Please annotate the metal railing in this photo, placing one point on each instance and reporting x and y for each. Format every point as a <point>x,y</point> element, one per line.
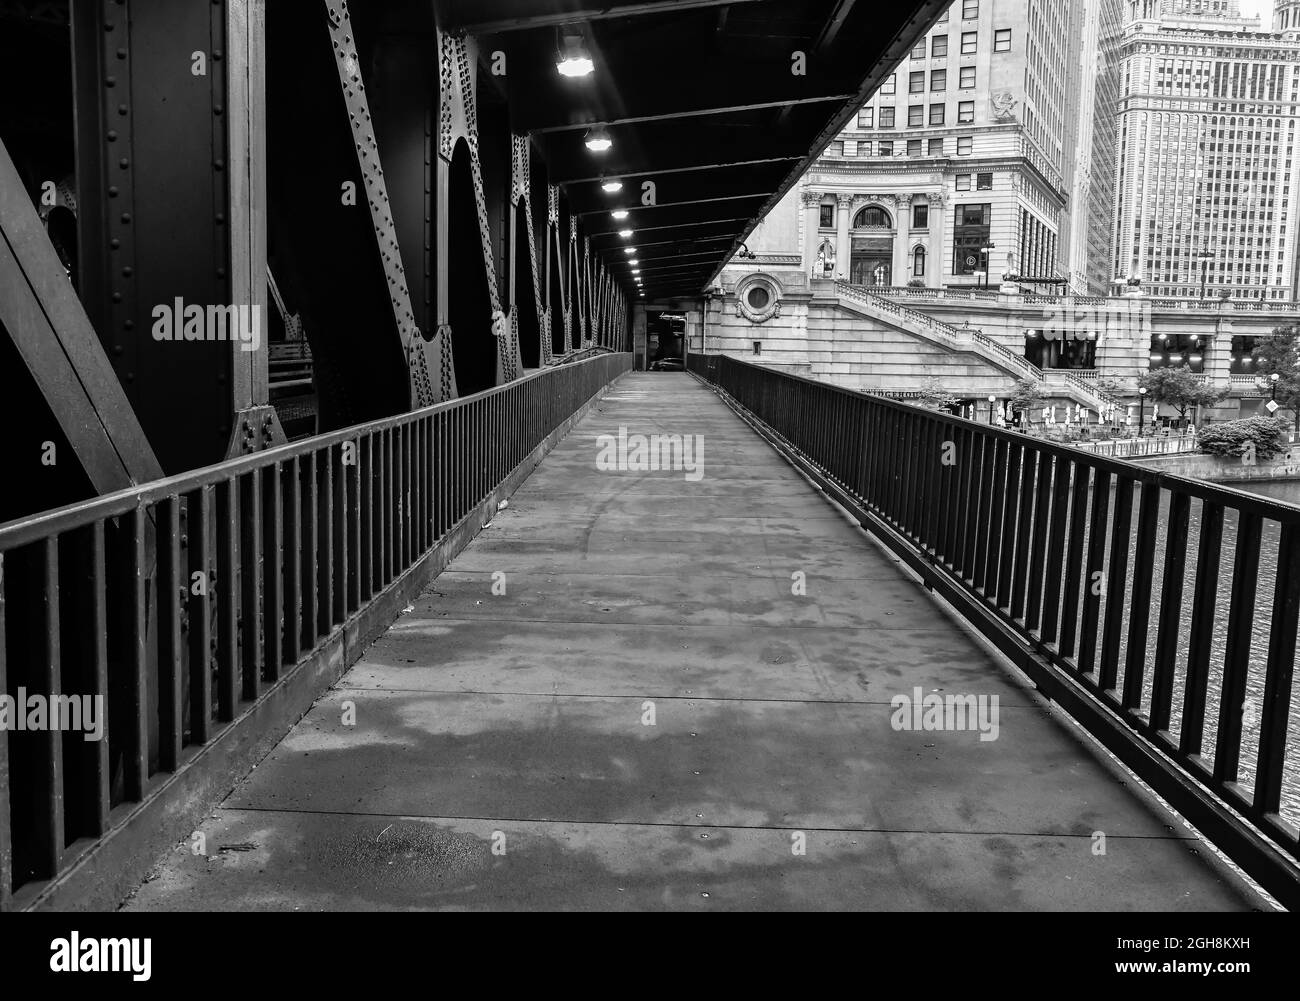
<point>180,603</point>
<point>1129,596</point>
<point>1132,448</point>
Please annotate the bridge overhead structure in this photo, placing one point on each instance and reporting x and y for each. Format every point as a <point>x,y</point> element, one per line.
<point>407,187</point>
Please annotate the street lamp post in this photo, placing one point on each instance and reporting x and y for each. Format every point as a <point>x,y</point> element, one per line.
<point>1142,396</point>
<point>1273,379</point>
<point>986,250</point>
<point>1205,257</point>
<point>992,400</point>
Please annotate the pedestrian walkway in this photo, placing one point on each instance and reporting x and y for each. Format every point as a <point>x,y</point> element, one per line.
<point>651,717</point>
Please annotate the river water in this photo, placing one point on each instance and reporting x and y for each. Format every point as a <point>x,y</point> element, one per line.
<point>1287,491</point>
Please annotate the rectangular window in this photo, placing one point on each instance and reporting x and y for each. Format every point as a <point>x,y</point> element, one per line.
<point>1002,40</point>
<point>920,216</point>
<point>886,118</point>
<point>967,77</point>
<point>916,115</point>
<point>914,147</point>
<point>918,50</point>
<point>965,145</point>
<point>936,114</point>
<point>888,86</point>
<point>938,79</point>
<point>758,347</point>
<point>827,220</point>
<point>886,147</point>
<point>966,111</point>
<point>970,236</point>
<point>969,42</point>
<point>916,82</point>
<point>970,9</point>
<point>865,147</point>
<point>867,118</point>
<point>936,147</point>
<point>836,148</point>
<point>983,182</point>
<point>963,182</point>
<point>939,46</point>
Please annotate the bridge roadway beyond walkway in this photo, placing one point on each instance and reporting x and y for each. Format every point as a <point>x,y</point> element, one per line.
<point>626,592</point>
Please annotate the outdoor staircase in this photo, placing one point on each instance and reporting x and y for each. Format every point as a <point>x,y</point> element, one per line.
<point>964,339</point>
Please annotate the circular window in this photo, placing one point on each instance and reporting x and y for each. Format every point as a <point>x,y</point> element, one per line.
<point>758,298</point>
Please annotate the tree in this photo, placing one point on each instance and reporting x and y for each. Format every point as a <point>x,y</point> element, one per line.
<point>1279,354</point>
<point>1027,397</point>
<point>1181,388</point>
<point>1266,435</point>
<point>935,397</point>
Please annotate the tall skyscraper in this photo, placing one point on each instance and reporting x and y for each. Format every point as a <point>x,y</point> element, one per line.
<point>1207,165</point>
<point>1090,169</point>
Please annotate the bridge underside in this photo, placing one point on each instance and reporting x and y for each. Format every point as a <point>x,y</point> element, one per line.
<point>649,717</point>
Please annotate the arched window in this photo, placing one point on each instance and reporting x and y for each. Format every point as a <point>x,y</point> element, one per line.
<point>873,216</point>
<point>918,262</point>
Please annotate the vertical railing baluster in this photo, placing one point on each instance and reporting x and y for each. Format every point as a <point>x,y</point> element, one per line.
<point>1236,659</point>
<point>342,561</point>
<point>251,583</point>
<point>293,560</point>
<point>310,540</point>
<point>1010,516</point>
<point>96,800</point>
<point>171,591</point>
<point>1116,585</point>
<point>1093,583</point>
<point>981,511</point>
<point>1069,635</point>
<point>136,743</point>
<point>227,599</point>
<point>325,527</point>
<point>48,817</point>
<point>997,510</point>
<point>1276,708</point>
<point>1191,731</point>
<point>198,523</point>
<point>1171,611</point>
<point>1038,548</point>
<point>1055,551</point>
<point>973,458</point>
<point>370,517</point>
<point>1144,558</point>
<point>273,573</point>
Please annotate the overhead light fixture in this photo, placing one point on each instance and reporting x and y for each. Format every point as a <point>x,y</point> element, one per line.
<point>636,271</point>
<point>625,233</point>
<point>619,213</point>
<point>612,186</point>
<point>629,250</point>
<point>634,261</point>
<point>574,58</point>
<point>598,140</point>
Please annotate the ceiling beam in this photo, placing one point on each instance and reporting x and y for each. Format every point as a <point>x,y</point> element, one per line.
<point>478,17</point>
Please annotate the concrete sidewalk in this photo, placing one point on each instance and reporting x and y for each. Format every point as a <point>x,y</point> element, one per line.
<point>501,756</point>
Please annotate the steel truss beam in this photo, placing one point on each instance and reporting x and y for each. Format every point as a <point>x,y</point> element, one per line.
<point>51,332</point>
